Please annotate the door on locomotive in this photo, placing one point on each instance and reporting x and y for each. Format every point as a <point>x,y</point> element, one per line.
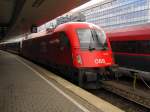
<point>65,49</point>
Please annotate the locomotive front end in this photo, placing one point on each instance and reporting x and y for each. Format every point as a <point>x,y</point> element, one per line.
<point>92,54</point>
<point>94,50</point>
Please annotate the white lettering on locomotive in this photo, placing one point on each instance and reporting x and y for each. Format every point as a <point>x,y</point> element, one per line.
<point>99,61</point>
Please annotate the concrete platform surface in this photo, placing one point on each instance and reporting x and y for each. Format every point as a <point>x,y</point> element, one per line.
<point>23,89</point>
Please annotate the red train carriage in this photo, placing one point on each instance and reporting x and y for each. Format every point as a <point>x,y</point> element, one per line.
<point>131,48</point>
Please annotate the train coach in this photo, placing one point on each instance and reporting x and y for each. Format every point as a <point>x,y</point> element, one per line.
<point>13,47</point>
<point>131,48</point>
<point>78,49</point>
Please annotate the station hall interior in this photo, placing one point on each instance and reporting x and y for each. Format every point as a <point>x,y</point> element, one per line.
<point>74,55</point>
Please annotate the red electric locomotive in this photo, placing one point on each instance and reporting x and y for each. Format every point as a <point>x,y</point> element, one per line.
<point>78,49</point>
<point>131,48</point>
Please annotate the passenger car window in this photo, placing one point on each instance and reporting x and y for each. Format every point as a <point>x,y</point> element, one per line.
<point>139,46</point>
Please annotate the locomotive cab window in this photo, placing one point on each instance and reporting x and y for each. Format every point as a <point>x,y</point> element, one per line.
<point>92,39</point>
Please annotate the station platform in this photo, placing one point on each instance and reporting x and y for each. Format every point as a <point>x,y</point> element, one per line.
<point>26,87</point>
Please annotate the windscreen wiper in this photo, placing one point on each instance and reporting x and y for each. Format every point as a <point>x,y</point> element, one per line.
<point>91,48</point>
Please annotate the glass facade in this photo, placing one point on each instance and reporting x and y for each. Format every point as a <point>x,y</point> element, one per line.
<point>118,13</point>
<point>76,16</point>
<point>50,24</point>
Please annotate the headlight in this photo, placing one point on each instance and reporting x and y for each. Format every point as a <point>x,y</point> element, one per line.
<point>79,59</point>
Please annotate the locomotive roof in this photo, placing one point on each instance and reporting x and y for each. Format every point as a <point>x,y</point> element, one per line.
<point>63,27</point>
<point>75,25</point>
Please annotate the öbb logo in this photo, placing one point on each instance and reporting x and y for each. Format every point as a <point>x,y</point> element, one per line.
<point>100,61</point>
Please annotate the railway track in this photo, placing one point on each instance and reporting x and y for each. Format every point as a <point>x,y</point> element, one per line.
<point>118,101</point>
<point>136,100</point>
<point>138,96</point>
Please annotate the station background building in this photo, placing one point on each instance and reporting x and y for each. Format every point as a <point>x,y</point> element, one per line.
<point>108,14</point>
<point>73,17</point>
<point>112,14</point>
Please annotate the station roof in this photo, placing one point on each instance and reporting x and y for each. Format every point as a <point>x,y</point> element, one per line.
<point>17,16</point>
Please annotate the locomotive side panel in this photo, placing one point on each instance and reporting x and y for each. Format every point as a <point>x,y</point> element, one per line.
<point>49,49</point>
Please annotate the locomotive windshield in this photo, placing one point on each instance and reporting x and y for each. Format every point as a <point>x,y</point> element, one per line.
<point>92,39</point>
